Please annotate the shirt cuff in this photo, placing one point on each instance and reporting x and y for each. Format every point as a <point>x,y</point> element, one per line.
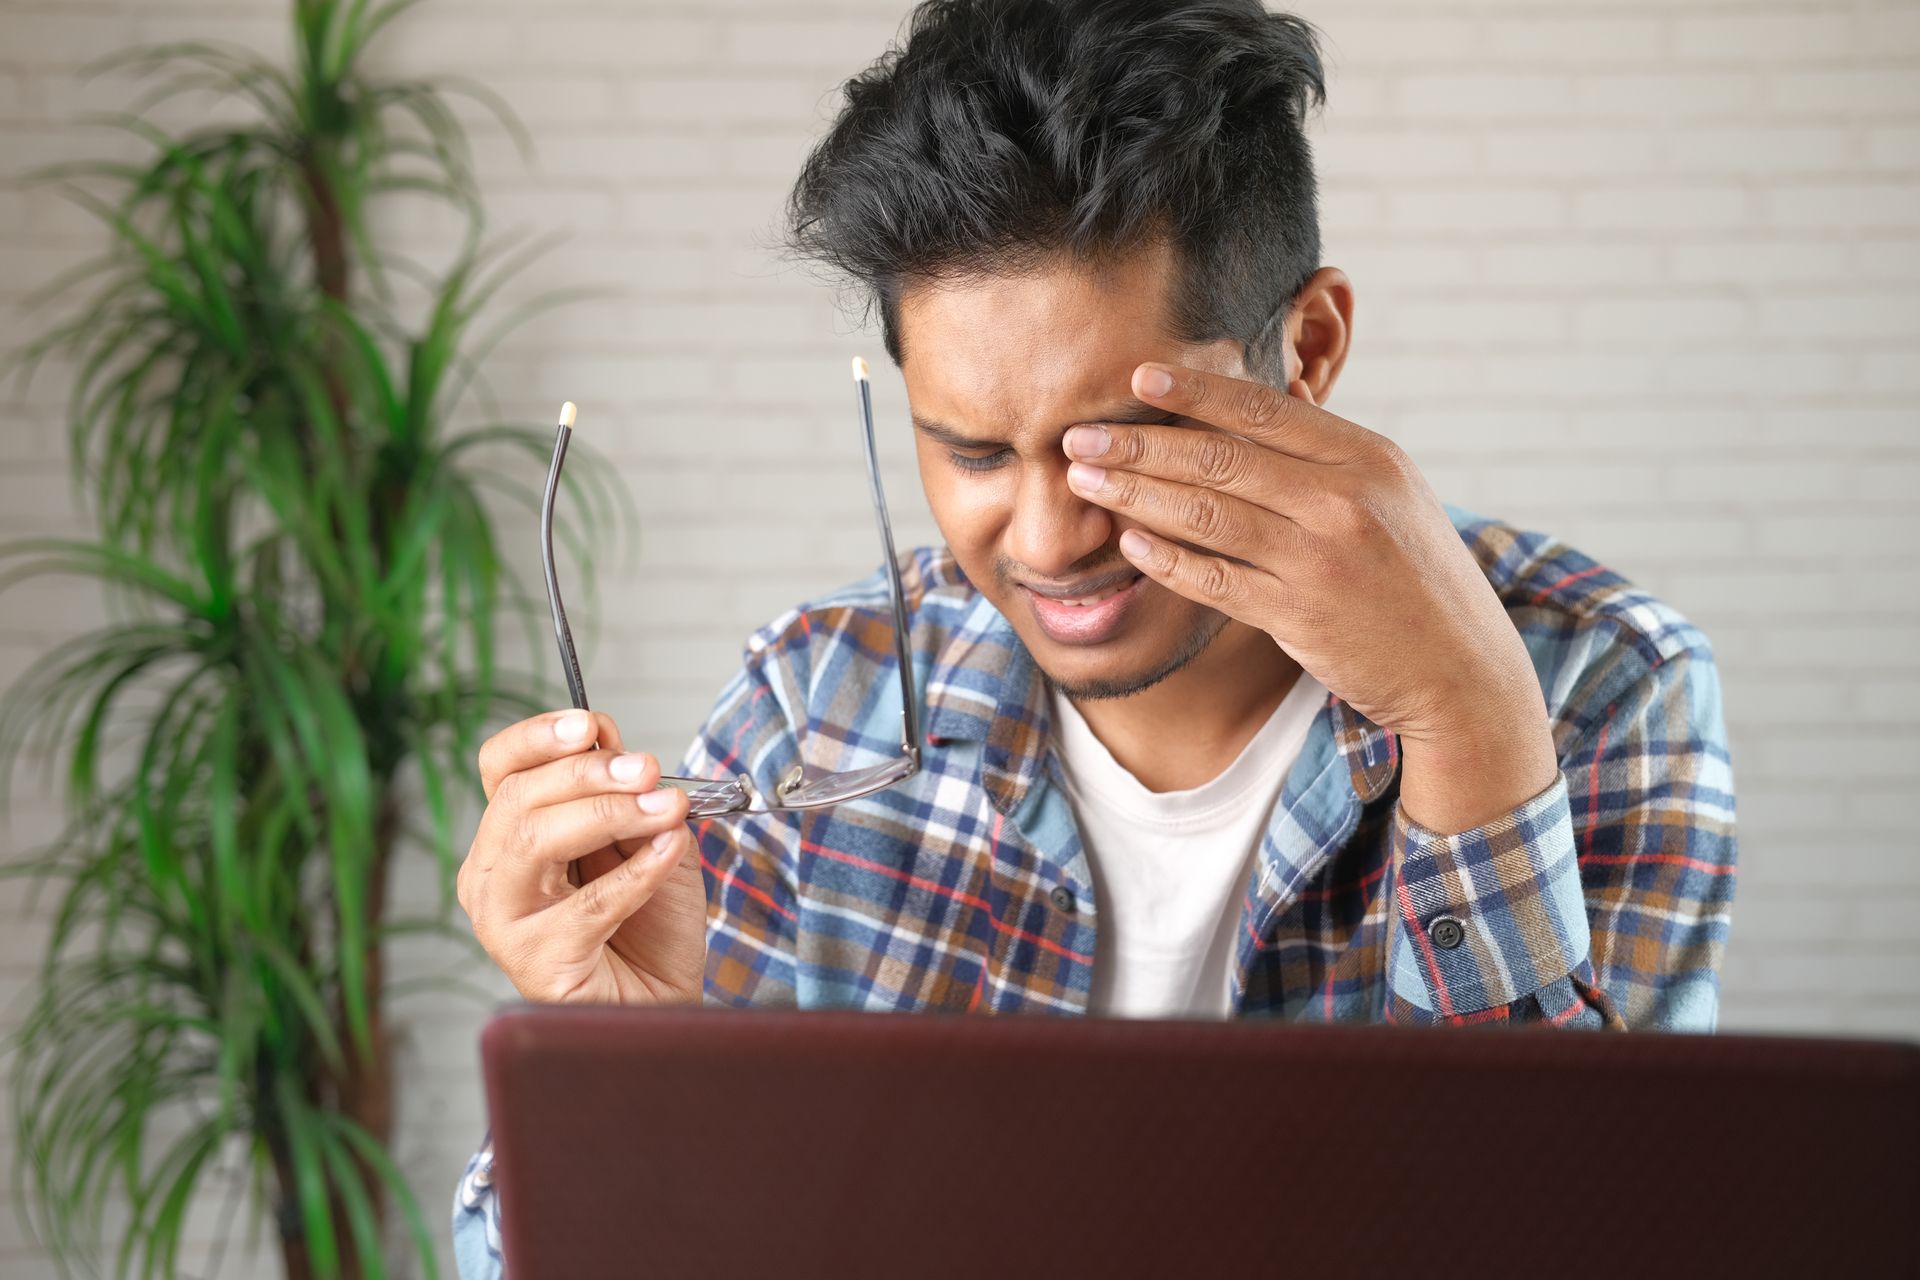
<point>1487,916</point>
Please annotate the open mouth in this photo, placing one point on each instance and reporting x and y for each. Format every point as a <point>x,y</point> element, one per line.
<point>1105,593</point>
<point>1088,619</point>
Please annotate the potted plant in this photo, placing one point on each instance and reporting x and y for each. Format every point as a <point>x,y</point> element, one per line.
<point>288,701</point>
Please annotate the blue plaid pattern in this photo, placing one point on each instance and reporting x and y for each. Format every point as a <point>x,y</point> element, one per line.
<point>1601,902</point>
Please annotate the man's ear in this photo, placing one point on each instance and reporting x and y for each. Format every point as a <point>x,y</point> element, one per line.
<point>1319,330</point>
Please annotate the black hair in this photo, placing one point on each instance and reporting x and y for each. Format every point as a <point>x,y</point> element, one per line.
<point>1002,133</point>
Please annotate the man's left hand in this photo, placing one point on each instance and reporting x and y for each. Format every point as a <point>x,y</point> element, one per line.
<point>1325,535</point>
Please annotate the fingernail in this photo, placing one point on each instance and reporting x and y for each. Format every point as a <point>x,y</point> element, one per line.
<point>626,768</point>
<point>574,727</point>
<point>1135,544</point>
<point>1153,382</point>
<point>659,801</point>
<point>663,843</point>
<point>1087,442</point>
<point>1085,478</point>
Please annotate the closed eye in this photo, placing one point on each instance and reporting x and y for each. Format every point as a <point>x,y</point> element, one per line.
<point>989,462</point>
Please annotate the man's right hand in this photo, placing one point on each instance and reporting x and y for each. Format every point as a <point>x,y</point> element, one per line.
<point>560,788</point>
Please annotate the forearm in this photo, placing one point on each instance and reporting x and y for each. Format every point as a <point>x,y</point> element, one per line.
<point>1464,777</point>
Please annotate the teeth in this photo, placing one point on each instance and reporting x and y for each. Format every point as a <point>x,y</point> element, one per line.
<point>1084,601</point>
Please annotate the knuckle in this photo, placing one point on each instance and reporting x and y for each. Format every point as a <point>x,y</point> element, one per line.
<point>489,763</point>
<point>1217,458</point>
<point>1392,459</point>
<point>611,809</point>
<point>1213,580</point>
<point>586,770</point>
<point>1258,406</point>
<point>509,793</point>
<point>592,898</point>
<point>524,838</point>
<point>1202,514</point>
<point>1123,488</point>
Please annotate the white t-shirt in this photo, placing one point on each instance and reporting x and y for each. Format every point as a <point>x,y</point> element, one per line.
<point>1169,867</point>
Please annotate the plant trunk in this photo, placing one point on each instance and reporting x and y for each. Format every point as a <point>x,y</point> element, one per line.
<point>326,232</point>
<point>327,241</point>
<point>293,1241</point>
<point>362,1092</point>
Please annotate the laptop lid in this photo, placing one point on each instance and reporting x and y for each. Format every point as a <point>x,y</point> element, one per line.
<point>793,1144</point>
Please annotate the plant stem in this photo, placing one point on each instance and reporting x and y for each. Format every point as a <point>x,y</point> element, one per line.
<point>364,1093</point>
<point>326,230</point>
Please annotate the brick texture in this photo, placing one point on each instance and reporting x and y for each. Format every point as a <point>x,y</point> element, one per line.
<point>1643,274</point>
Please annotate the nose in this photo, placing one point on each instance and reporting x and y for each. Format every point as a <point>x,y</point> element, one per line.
<point>1052,528</point>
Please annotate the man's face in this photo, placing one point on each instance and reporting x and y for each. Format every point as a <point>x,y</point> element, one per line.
<point>997,369</point>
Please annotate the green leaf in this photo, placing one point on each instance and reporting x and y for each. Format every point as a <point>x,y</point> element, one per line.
<point>93,560</point>
<point>209,273</point>
<point>299,986</point>
<point>309,1178</point>
<point>355,1205</point>
<point>382,1164</point>
<point>303,575</point>
<point>373,363</point>
<point>178,1179</point>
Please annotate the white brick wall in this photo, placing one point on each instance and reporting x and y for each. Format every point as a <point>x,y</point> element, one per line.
<point>1644,273</point>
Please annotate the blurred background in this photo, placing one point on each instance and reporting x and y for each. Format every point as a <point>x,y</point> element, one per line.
<point>1644,275</point>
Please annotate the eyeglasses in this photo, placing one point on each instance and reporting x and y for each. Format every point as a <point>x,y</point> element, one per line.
<point>798,790</point>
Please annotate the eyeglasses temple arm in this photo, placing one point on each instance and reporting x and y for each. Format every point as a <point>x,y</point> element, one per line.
<point>721,795</point>
<point>562,634</point>
<point>910,712</point>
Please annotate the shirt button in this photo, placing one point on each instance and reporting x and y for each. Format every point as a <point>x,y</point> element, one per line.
<point>1446,932</point>
<point>1062,897</point>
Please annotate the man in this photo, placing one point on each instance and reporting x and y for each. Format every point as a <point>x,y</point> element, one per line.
<point>1226,714</point>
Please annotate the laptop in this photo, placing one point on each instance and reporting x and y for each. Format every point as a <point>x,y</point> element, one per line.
<point>794,1145</point>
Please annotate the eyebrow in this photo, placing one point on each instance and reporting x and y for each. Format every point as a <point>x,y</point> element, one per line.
<point>1127,413</point>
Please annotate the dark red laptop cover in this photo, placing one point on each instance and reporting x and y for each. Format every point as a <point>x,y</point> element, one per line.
<point>707,1143</point>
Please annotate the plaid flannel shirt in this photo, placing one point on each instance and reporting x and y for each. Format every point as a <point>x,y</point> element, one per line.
<point>1601,902</point>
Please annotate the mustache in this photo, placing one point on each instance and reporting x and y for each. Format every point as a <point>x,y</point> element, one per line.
<point>1097,566</point>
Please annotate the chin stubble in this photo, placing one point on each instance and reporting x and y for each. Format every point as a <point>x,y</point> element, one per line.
<point>1191,647</point>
